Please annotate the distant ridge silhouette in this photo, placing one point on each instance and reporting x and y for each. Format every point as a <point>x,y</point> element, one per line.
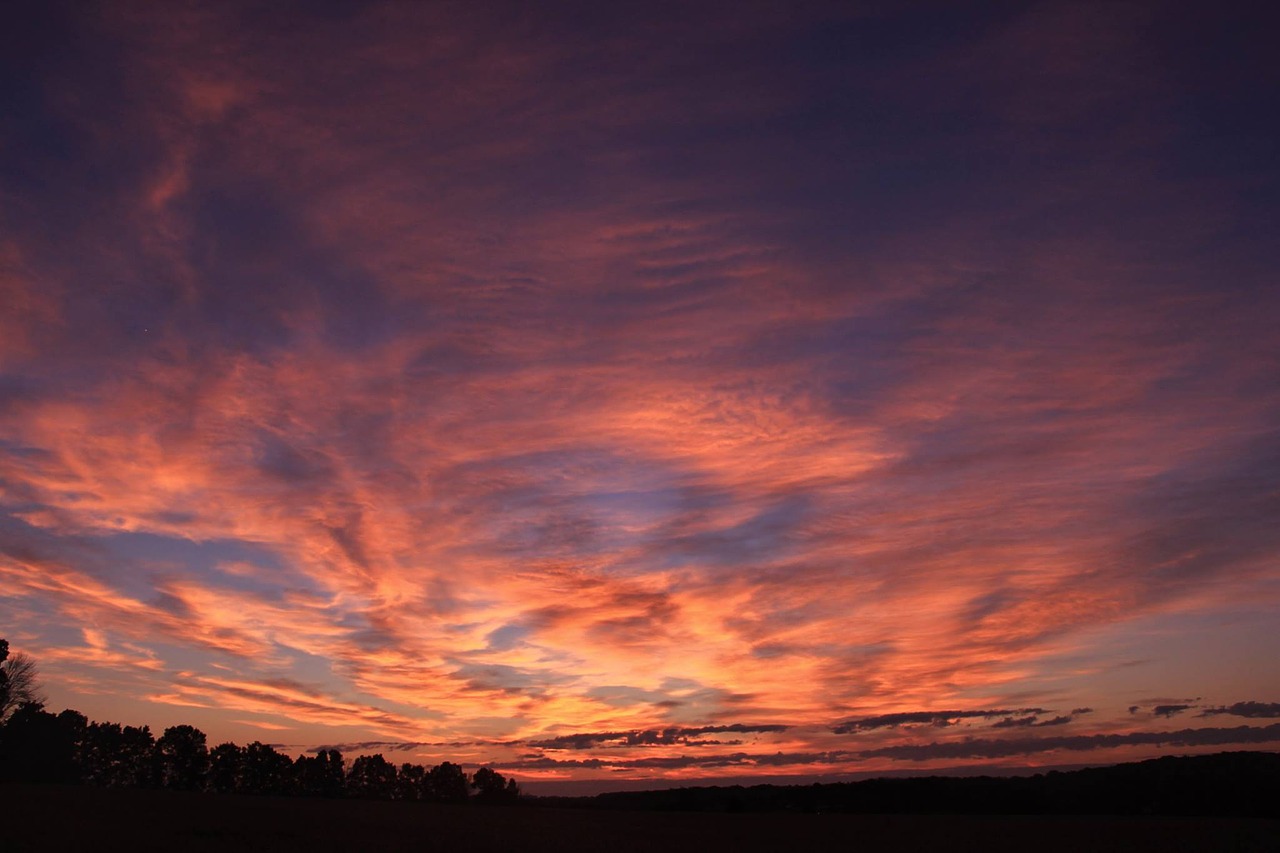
<point>1227,784</point>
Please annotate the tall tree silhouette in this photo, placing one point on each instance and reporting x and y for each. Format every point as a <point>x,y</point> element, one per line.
<point>183,758</point>
<point>4,678</point>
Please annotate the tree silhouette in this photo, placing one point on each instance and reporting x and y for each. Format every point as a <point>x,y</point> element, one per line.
<point>20,681</point>
<point>265,771</point>
<point>37,746</point>
<point>411,782</point>
<point>333,773</point>
<point>319,775</point>
<point>447,783</point>
<point>116,756</point>
<point>182,758</point>
<point>491,787</point>
<point>372,776</point>
<point>4,678</point>
<point>225,763</point>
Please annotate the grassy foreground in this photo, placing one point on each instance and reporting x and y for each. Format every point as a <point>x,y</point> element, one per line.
<point>51,817</point>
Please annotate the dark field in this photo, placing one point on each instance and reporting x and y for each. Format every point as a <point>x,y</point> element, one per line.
<point>39,818</point>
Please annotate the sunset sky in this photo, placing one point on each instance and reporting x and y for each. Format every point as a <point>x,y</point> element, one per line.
<point>647,390</point>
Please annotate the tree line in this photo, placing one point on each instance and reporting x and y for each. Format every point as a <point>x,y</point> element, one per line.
<point>39,746</point>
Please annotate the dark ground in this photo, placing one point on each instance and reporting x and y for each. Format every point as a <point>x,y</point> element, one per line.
<point>54,818</point>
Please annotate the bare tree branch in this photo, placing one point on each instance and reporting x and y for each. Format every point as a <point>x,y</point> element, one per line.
<point>22,683</point>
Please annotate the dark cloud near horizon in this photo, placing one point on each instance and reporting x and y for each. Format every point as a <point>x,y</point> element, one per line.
<point>649,737</point>
<point>963,749</point>
<point>736,759</point>
<point>1030,722</point>
<point>939,719</point>
<point>1260,710</point>
<point>394,745</point>
<point>1170,710</point>
<point>679,735</point>
<point>993,748</point>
